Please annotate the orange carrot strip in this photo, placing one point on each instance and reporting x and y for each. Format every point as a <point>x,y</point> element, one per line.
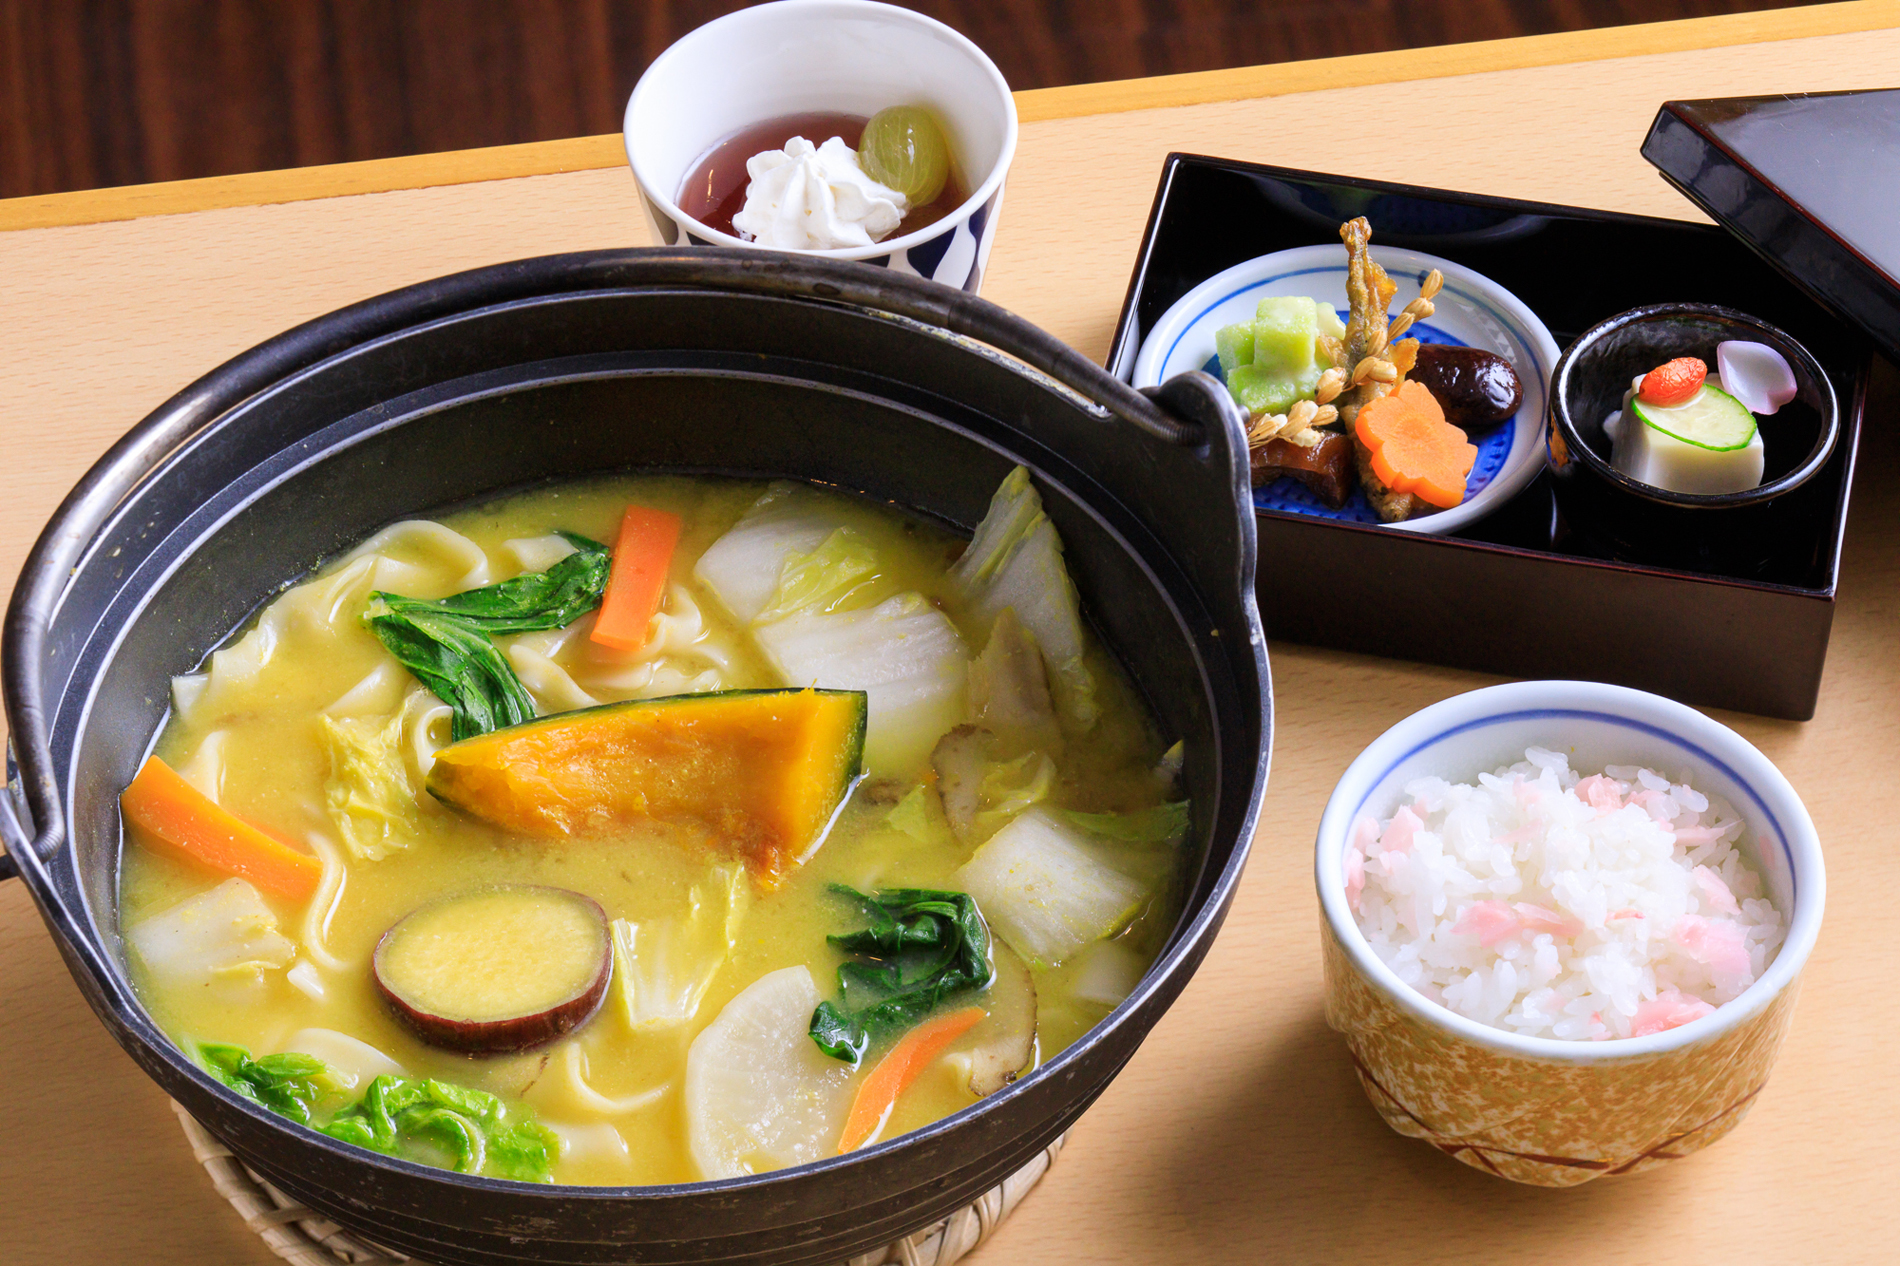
<point>1413,449</point>
<point>894,1073</point>
<point>181,822</point>
<point>642,556</point>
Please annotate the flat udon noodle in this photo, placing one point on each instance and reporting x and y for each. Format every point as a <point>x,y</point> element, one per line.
<point>393,560</point>
<point>204,769</point>
<point>315,929</point>
<point>571,1084</point>
<point>682,655</point>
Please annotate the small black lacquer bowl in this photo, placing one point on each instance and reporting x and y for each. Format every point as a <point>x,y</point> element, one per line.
<point>1636,522</point>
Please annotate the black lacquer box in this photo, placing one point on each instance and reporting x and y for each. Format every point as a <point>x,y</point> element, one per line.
<point>1518,592</point>
<point>1811,181</point>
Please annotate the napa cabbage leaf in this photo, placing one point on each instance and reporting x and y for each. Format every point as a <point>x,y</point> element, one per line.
<point>367,791</point>
<point>663,967</point>
<point>1014,562</point>
<point>1047,890</point>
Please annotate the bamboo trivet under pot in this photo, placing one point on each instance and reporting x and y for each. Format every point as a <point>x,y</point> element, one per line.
<point>306,1238</point>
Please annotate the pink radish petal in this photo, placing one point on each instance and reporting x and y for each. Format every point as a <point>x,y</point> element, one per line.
<point>1540,919</point>
<point>1716,942</point>
<point>1599,793</point>
<point>1668,1010</point>
<point>1399,831</point>
<point>1755,374</point>
<point>1629,912</point>
<point>1355,875</point>
<point>1489,921</point>
<point>1715,893</point>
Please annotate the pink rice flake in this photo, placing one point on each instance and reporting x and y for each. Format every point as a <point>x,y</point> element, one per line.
<point>1668,1010</point>
<point>1715,894</point>
<point>1599,793</point>
<point>1489,921</point>
<point>1693,835</point>
<point>1542,919</point>
<point>1627,912</point>
<point>1716,942</point>
<point>1355,875</point>
<point>1527,792</point>
<point>1399,831</point>
<point>1520,835</point>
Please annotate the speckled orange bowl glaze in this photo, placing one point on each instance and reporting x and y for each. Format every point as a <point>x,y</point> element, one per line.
<point>1544,1110</point>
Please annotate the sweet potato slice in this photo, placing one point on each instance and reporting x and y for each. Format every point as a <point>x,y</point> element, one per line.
<point>497,969</point>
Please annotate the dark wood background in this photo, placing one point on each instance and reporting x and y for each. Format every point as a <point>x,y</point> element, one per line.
<point>114,92</point>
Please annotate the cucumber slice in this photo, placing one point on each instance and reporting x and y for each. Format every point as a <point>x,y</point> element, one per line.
<point>1711,419</point>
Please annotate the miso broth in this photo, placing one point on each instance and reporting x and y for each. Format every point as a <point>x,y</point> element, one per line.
<point>307,727</point>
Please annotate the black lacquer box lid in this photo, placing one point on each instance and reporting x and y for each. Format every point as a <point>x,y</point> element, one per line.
<point>1810,181</point>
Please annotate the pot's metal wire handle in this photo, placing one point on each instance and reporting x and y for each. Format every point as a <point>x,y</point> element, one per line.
<point>731,269</point>
<point>12,837</point>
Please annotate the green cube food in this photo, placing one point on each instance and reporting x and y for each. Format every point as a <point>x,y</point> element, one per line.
<point>1283,332</point>
<point>1234,343</point>
<point>1261,390</point>
<point>1329,322</point>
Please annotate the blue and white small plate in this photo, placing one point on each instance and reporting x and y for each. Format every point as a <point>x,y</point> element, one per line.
<point>1471,310</point>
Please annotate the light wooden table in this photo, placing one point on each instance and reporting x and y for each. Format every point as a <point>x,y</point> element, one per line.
<point>1238,1132</point>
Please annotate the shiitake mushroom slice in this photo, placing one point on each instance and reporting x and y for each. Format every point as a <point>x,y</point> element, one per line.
<point>497,969</point>
<point>1006,1039</point>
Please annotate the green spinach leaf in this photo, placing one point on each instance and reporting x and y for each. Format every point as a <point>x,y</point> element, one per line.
<point>921,947</point>
<point>551,599</point>
<point>445,643</point>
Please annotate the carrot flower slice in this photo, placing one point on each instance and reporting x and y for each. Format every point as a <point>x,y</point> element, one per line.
<point>642,555</point>
<point>894,1073</point>
<point>182,822</point>
<point>1413,449</point>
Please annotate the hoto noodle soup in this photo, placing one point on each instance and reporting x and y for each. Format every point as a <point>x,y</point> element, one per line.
<point>652,830</point>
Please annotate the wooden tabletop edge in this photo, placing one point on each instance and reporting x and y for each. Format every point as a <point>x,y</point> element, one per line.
<point>584,153</point>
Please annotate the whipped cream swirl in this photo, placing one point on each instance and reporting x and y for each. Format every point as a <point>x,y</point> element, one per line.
<point>809,197</point>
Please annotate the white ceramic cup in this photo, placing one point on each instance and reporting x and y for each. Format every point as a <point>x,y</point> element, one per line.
<point>1546,1110</point>
<point>849,56</point>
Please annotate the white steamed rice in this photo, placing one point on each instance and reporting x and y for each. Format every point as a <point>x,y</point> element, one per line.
<point>1553,905</point>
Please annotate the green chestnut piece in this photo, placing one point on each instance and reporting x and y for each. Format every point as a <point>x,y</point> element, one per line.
<point>903,149</point>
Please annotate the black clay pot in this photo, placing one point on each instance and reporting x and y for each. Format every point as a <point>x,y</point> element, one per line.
<point>723,361</point>
<point>1632,521</point>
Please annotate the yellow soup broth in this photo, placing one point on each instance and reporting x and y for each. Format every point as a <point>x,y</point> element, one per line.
<point>257,732</point>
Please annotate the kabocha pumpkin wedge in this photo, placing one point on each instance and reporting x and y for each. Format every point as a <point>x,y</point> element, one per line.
<point>763,771</point>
